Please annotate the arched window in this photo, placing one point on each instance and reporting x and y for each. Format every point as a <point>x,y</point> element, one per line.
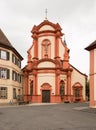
<point>31,88</point>
<point>77,92</point>
<point>46,49</point>
<point>62,88</point>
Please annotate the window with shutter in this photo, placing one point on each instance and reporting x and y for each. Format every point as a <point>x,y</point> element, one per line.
<point>4,73</point>
<point>19,78</point>
<point>8,56</point>
<point>8,74</point>
<point>3,92</point>
<point>4,55</point>
<point>15,76</point>
<point>16,61</point>
<point>0,72</point>
<point>13,58</point>
<point>0,53</point>
<point>14,93</point>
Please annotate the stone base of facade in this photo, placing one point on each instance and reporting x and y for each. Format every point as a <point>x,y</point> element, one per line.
<point>92,103</point>
<point>53,99</point>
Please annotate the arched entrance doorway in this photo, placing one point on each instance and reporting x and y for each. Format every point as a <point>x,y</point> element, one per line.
<point>62,90</point>
<point>46,93</point>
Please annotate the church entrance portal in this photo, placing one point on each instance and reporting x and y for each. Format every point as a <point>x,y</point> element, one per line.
<point>45,96</point>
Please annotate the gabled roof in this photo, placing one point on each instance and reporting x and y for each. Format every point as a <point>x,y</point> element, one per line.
<point>91,46</point>
<point>78,71</point>
<point>4,40</point>
<point>56,26</point>
<point>46,22</point>
<point>5,43</point>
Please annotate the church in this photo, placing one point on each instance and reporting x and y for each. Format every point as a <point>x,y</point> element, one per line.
<point>48,75</point>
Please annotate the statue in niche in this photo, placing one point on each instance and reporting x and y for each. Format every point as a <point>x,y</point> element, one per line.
<point>46,48</point>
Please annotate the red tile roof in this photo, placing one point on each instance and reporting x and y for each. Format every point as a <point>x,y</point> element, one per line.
<point>4,40</point>
<point>5,43</point>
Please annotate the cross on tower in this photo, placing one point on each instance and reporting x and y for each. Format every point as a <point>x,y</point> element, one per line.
<point>46,14</point>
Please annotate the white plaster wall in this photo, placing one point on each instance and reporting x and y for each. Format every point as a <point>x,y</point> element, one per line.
<point>46,27</point>
<point>46,64</point>
<point>46,78</point>
<point>52,40</point>
<point>77,77</point>
<point>61,50</point>
<point>94,74</point>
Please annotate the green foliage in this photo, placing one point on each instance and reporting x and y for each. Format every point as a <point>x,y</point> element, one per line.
<point>87,90</point>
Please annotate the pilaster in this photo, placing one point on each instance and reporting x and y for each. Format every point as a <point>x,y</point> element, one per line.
<point>57,81</point>
<point>26,82</point>
<point>57,46</point>
<point>35,40</point>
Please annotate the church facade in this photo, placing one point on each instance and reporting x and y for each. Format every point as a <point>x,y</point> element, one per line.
<point>48,75</point>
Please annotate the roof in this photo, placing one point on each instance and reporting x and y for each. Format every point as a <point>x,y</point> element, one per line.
<point>56,26</point>
<point>4,40</point>
<point>5,43</point>
<point>91,46</point>
<point>78,71</point>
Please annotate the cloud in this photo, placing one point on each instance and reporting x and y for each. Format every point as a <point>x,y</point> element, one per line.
<point>76,17</point>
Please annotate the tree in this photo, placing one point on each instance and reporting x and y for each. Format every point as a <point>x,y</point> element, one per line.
<point>87,90</point>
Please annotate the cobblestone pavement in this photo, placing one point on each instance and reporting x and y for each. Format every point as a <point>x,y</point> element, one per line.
<point>74,116</point>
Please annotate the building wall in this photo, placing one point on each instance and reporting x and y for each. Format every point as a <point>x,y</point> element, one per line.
<point>46,27</point>
<point>92,102</point>
<point>46,64</point>
<point>46,78</point>
<point>94,74</point>
<point>61,49</point>
<point>78,77</point>
<point>9,83</point>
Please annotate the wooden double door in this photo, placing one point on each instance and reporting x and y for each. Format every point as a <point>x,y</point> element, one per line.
<point>45,96</point>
